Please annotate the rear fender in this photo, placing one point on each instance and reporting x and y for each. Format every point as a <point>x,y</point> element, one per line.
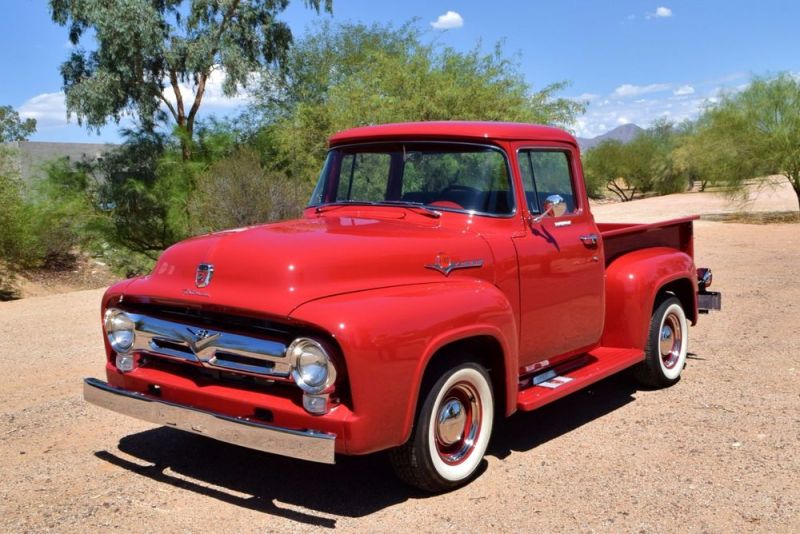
<point>388,336</point>
<point>633,282</point>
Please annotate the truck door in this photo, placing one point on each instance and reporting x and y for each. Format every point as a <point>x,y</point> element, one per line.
<point>561,264</point>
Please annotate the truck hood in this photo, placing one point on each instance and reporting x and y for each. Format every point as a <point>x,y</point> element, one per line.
<point>274,268</point>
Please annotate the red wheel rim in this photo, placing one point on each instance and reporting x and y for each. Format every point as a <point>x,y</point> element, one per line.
<point>670,340</point>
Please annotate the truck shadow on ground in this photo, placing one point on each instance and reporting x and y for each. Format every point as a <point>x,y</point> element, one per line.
<point>354,486</point>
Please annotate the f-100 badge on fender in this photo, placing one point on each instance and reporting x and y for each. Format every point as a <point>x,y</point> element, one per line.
<point>445,265</point>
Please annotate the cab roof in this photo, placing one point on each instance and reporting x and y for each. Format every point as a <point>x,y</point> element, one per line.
<point>474,130</point>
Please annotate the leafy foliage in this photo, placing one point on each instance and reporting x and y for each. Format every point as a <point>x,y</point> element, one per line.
<point>238,191</point>
<point>15,235</point>
<point>353,75</point>
<point>644,165</point>
<point>147,49</point>
<point>753,133</point>
<point>12,128</point>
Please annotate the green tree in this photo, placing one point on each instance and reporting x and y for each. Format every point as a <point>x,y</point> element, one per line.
<point>643,165</point>
<point>750,134</point>
<point>147,49</point>
<point>14,211</point>
<point>605,167</point>
<point>12,128</point>
<point>351,75</point>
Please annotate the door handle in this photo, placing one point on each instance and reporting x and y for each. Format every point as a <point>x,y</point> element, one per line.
<point>590,240</point>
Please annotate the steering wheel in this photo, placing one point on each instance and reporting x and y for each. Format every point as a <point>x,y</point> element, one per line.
<point>459,187</point>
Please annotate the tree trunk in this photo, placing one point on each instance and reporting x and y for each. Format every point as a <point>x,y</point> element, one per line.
<point>186,145</point>
<point>795,181</point>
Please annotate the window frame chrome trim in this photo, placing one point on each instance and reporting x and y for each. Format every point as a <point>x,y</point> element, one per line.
<point>579,208</point>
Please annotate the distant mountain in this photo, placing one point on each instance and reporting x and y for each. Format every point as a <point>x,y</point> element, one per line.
<point>623,133</point>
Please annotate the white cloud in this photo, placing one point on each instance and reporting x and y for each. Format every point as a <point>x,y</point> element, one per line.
<point>627,90</point>
<point>643,104</point>
<point>49,109</point>
<point>585,97</point>
<point>660,13</point>
<point>448,21</point>
<point>213,95</point>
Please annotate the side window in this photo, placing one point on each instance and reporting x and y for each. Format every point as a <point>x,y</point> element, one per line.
<point>545,173</point>
<point>364,176</point>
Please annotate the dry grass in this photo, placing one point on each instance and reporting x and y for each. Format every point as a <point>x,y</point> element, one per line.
<point>754,217</point>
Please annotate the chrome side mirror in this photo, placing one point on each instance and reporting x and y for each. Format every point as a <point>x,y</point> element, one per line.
<point>554,206</point>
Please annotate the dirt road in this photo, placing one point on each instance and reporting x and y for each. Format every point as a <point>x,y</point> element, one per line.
<point>717,452</point>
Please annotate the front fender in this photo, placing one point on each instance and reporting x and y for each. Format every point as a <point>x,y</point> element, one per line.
<point>632,283</point>
<point>388,336</point>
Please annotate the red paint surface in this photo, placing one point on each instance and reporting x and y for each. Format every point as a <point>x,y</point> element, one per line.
<point>358,273</point>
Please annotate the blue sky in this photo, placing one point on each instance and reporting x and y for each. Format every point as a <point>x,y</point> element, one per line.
<point>634,61</point>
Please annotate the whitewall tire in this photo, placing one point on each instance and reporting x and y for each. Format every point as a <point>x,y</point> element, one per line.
<point>451,433</point>
<point>667,345</point>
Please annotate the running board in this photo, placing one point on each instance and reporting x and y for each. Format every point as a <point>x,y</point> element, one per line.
<point>599,363</point>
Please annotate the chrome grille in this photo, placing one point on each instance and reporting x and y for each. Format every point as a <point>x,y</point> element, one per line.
<point>211,348</point>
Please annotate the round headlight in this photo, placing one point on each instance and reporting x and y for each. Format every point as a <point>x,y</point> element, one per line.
<point>119,329</point>
<point>313,370</point>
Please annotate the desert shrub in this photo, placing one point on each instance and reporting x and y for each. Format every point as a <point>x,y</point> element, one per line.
<point>239,191</point>
<point>12,239</point>
<point>61,209</point>
<point>140,202</point>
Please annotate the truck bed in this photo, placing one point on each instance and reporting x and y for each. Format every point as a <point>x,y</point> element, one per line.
<point>620,238</point>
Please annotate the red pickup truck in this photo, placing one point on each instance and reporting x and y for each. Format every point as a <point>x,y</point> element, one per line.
<point>443,274</point>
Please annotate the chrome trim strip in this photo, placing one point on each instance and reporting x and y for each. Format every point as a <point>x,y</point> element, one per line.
<point>210,347</point>
<point>308,445</point>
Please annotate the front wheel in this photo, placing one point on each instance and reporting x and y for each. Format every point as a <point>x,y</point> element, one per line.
<point>451,433</point>
<point>667,346</point>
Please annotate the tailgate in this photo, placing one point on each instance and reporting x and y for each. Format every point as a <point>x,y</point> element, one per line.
<point>619,239</point>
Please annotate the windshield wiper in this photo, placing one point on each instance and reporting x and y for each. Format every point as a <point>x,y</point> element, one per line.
<point>393,203</point>
<point>340,203</point>
<point>415,205</point>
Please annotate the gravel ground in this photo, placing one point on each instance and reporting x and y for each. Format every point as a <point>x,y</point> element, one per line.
<point>718,452</point>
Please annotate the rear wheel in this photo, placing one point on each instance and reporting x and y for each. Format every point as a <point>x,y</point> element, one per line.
<point>451,432</point>
<point>667,345</point>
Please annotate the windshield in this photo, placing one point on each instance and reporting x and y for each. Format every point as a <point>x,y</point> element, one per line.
<point>442,176</point>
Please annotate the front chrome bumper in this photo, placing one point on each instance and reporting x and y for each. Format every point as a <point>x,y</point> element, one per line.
<point>303,444</point>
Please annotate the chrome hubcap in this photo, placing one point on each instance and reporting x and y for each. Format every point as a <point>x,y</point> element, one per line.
<point>451,421</point>
<point>670,341</point>
<point>458,421</point>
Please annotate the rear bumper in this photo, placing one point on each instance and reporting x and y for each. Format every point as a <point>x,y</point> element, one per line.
<point>709,300</point>
<point>303,444</point>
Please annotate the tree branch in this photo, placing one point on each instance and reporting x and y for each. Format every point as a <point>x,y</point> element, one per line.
<point>201,84</point>
<point>169,106</point>
<point>201,89</point>
<point>173,80</point>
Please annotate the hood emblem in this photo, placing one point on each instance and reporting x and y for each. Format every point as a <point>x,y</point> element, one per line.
<point>445,264</point>
<point>202,276</point>
<point>201,339</point>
